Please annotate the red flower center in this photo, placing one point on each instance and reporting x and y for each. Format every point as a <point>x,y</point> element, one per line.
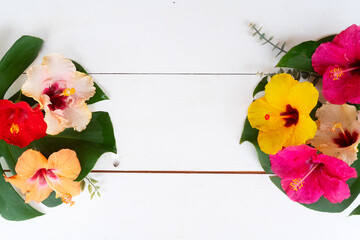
<point>57,98</point>
<point>346,139</point>
<point>291,116</point>
<point>41,173</point>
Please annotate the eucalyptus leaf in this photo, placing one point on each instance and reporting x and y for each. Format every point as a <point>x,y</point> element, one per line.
<point>92,195</point>
<point>82,185</point>
<point>90,188</point>
<point>22,53</point>
<point>94,180</point>
<point>12,206</point>
<point>250,134</point>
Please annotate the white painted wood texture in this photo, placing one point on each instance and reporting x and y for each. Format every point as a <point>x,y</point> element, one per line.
<point>180,74</point>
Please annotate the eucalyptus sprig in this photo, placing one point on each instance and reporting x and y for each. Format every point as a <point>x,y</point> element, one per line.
<point>262,36</point>
<point>92,187</point>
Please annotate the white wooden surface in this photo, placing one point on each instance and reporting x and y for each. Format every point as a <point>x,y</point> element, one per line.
<point>180,75</point>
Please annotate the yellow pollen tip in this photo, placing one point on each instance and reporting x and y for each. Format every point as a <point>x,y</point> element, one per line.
<point>296,184</point>
<point>336,73</point>
<point>335,126</point>
<point>68,91</point>
<point>66,198</point>
<point>14,128</point>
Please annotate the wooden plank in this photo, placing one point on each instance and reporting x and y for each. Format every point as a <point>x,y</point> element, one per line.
<point>170,36</point>
<point>172,122</point>
<point>151,206</point>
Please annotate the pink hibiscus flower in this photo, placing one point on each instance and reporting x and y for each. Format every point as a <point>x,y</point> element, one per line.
<point>339,64</point>
<point>306,175</point>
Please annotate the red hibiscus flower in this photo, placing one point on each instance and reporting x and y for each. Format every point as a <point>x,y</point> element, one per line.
<point>20,124</point>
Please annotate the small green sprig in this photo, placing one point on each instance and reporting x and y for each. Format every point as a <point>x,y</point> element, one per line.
<point>92,187</point>
<point>297,74</point>
<point>262,36</point>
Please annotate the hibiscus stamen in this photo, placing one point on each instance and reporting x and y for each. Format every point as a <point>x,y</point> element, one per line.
<point>66,198</point>
<point>298,183</point>
<point>338,125</point>
<point>336,73</point>
<point>68,92</point>
<point>14,128</point>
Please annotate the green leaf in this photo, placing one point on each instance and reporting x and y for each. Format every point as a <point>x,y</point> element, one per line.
<point>98,193</point>
<point>90,188</point>
<point>51,201</point>
<point>261,86</point>
<point>99,94</point>
<point>250,134</point>
<point>312,113</point>
<point>94,180</point>
<point>299,57</point>
<point>12,206</point>
<point>17,59</point>
<point>92,195</point>
<point>323,205</point>
<point>356,211</point>
<point>82,185</point>
<point>326,39</point>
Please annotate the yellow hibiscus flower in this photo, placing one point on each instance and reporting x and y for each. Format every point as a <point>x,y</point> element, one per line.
<point>282,115</point>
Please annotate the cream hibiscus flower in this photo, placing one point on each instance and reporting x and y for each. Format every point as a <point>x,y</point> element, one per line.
<point>338,132</point>
<point>61,91</point>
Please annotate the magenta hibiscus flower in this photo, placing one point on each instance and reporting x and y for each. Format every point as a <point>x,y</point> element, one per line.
<point>339,64</point>
<point>306,175</point>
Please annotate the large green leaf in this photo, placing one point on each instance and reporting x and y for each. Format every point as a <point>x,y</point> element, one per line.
<point>299,57</point>
<point>250,134</point>
<point>90,144</point>
<point>323,205</point>
<point>261,86</point>
<point>17,59</point>
<point>12,206</point>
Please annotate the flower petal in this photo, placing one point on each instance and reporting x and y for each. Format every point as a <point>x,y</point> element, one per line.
<point>263,116</point>
<point>328,54</point>
<point>35,190</point>
<point>29,163</point>
<point>63,185</point>
<point>54,124</point>
<point>335,168</point>
<point>309,193</point>
<point>65,163</point>
<point>335,190</point>
<point>33,86</point>
<point>59,67</point>
<point>276,89</point>
<point>303,97</point>
<point>271,142</point>
<point>305,129</point>
<point>292,162</point>
<point>84,86</point>
<point>335,91</point>
<point>78,116</point>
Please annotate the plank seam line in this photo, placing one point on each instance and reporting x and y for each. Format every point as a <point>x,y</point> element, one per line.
<point>177,172</point>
